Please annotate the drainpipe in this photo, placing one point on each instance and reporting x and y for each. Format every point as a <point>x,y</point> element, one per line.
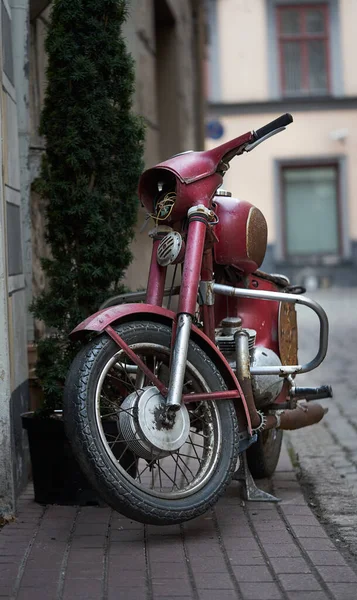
<point>198,11</point>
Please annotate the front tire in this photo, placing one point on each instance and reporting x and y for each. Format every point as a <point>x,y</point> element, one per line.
<point>203,468</point>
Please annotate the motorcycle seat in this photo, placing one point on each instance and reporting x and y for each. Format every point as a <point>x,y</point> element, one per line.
<point>280,280</point>
<point>191,166</point>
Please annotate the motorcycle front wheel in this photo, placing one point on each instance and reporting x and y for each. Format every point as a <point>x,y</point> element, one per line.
<point>143,471</point>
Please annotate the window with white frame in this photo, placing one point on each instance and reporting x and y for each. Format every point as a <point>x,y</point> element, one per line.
<point>310,210</point>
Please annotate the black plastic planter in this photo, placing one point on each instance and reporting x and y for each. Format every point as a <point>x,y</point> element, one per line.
<point>57,477</point>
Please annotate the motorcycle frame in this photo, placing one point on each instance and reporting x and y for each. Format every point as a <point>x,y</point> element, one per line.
<point>182,325</point>
<point>198,267</point>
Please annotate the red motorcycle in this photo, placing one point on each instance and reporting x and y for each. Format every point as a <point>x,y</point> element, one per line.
<point>164,408</point>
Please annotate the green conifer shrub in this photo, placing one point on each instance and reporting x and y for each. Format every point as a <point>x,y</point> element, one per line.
<point>89,174</point>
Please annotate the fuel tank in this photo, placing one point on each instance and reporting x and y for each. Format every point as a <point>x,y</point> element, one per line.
<point>242,233</point>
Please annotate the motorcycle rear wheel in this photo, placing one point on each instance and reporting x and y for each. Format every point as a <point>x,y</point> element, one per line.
<point>162,490</point>
<point>263,456</point>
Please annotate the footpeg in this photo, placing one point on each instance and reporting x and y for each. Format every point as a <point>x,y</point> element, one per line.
<point>312,393</point>
<point>250,491</point>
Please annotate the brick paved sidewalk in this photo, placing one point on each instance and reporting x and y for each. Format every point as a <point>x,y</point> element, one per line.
<point>242,551</point>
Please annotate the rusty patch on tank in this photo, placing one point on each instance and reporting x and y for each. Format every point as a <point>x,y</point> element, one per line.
<point>257,236</point>
<point>288,334</point>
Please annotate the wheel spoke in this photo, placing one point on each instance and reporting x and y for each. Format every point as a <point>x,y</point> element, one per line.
<point>107,399</point>
<point>178,466</point>
<point>202,435</point>
<point>131,465</point>
<point>194,448</point>
<point>109,435</point>
<point>127,411</point>
<point>198,418</point>
<point>166,475</point>
<point>149,464</point>
<point>119,409</point>
<point>186,465</point>
<point>190,456</point>
<point>187,383</point>
<point>192,444</point>
<point>138,476</point>
<point>109,415</point>
<point>127,441</point>
<point>127,373</point>
<point>160,475</point>
<point>123,381</point>
<point>115,441</point>
<point>122,454</point>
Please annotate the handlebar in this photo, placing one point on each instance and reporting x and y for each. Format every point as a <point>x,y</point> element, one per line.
<point>268,131</point>
<point>239,145</point>
<point>278,123</point>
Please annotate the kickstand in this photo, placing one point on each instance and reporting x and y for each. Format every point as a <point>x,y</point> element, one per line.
<point>249,490</point>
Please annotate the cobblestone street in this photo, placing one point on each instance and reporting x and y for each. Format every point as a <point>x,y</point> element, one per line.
<point>239,551</point>
<point>327,452</point>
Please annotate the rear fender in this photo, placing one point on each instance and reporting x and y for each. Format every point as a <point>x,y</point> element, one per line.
<point>128,312</point>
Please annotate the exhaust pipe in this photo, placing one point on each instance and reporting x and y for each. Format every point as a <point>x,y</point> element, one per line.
<point>290,419</point>
<point>296,418</point>
<point>243,374</point>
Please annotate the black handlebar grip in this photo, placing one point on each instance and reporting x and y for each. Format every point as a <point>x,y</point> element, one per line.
<point>282,121</point>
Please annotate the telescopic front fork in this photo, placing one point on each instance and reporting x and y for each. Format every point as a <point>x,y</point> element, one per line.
<point>198,217</point>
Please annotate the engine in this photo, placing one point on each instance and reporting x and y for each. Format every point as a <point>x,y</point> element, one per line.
<point>266,388</point>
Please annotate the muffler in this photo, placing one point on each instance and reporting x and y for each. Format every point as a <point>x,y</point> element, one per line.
<point>297,418</point>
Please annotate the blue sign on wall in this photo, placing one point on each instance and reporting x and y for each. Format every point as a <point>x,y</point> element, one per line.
<point>214,130</point>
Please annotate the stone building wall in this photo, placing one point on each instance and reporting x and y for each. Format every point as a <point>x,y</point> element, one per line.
<point>164,38</point>
<point>14,394</point>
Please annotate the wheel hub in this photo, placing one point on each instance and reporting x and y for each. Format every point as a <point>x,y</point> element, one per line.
<point>142,424</point>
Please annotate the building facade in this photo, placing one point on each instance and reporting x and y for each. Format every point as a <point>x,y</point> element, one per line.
<point>268,57</point>
<point>165,38</point>
<point>14,194</point>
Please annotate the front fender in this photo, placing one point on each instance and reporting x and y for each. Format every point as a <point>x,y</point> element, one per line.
<point>101,319</point>
<point>125,312</point>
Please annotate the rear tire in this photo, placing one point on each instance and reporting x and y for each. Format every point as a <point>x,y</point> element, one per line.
<point>263,456</point>
<point>131,494</point>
